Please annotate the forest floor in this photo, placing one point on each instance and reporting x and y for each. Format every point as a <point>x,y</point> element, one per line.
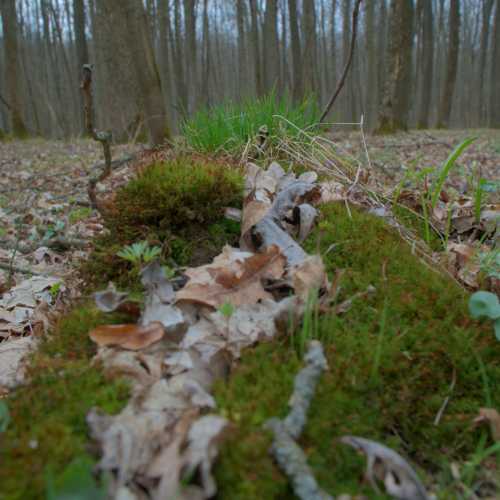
<point>47,231</point>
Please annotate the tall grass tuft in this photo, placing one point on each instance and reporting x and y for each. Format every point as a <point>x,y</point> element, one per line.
<point>228,127</point>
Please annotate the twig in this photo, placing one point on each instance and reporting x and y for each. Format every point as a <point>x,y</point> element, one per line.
<point>287,452</point>
<point>447,399</point>
<point>355,14</point>
<point>103,137</point>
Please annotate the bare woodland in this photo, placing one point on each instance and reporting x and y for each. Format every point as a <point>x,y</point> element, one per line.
<point>421,63</point>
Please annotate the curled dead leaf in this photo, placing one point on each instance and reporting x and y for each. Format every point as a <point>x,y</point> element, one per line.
<point>132,337</point>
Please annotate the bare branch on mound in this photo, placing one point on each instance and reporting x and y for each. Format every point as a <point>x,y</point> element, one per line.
<point>340,85</point>
<point>103,137</point>
<point>285,450</point>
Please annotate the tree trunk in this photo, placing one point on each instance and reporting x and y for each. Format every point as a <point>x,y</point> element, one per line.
<point>495,72</point>
<point>259,87</point>
<point>297,89</point>
<point>393,113</point>
<point>483,51</point>
<point>270,53</point>
<point>82,54</point>
<point>9,24</point>
<point>191,57</point>
<point>309,57</point>
<point>242,63</point>
<point>182,93</point>
<point>371,53</point>
<point>427,64</point>
<point>451,65</point>
<point>141,48</point>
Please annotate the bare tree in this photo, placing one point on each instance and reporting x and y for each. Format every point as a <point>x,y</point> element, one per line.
<point>141,49</point>
<point>427,35</point>
<point>393,113</point>
<point>297,88</point>
<point>10,28</point>
<point>495,72</point>
<point>270,52</point>
<point>451,64</point>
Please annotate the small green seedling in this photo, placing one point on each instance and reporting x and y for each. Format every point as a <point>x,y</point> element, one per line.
<point>139,253</point>
<point>4,416</point>
<point>227,309</point>
<point>485,305</point>
<point>54,290</point>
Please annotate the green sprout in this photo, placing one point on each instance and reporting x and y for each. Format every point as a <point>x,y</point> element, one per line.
<point>139,253</point>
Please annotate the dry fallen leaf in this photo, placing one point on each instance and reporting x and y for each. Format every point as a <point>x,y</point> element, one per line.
<point>238,282</point>
<point>492,417</point>
<point>110,299</point>
<point>132,337</point>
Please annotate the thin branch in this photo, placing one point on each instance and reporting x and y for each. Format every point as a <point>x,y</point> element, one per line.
<point>355,14</point>
<point>103,137</point>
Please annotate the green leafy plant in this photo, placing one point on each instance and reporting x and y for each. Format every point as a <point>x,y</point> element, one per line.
<point>54,290</point>
<point>139,253</point>
<point>485,305</point>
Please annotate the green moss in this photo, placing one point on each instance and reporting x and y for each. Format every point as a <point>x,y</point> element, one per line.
<point>48,428</point>
<point>388,376</point>
<point>178,205</point>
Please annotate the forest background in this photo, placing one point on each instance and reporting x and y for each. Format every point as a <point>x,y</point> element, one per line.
<point>204,52</point>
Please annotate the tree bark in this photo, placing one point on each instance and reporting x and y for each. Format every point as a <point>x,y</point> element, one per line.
<point>297,89</point>
<point>451,65</point>
<point>427,64</point>
<point>309,57</point>
<point>82,54</point>
<point>393,113</point>
<point>242,63</point>
<point>191,65</point>
<point>259,87</point>
<point>141,48</point>
<point>10,28</point>
<point>483,51</point>
<point>495,72</point>
<point>270,52</point>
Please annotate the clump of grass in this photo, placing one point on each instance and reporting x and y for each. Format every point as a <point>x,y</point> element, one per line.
<point>176,205</point>
<point>228,127</point>
<point>392,358</point>
<point>47,429</point>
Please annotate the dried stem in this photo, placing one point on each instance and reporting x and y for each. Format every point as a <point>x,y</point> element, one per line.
<point>103,137</point>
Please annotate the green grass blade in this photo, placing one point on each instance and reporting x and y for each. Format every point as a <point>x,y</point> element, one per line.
<point>448,165</point>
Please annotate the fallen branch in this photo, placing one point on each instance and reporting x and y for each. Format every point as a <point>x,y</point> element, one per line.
<point>340,85</point>
<point>285,450</point>
<point>103,137</point>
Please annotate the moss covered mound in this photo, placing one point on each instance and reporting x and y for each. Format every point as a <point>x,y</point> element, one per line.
<point>48,429</point>
<point>178,205</point>
<point>392,359</point>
